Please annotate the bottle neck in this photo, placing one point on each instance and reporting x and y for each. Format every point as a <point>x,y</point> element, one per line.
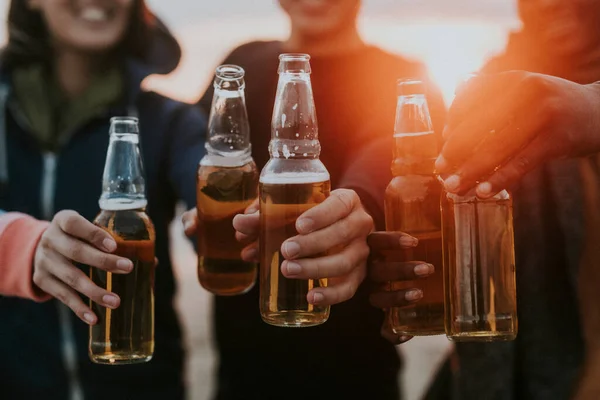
<point>294,127</point>
<point>228,127</point>
<point>415,143</point>
<point>123,184</point>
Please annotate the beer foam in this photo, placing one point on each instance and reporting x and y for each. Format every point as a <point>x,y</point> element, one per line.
<point>286,178</point>
<point>122,204</point>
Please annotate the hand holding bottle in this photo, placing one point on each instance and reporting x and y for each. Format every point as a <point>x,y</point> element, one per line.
<point>387,266</point>
<point>70,239</point>
<point>503,126</point>
<point>338,222</point>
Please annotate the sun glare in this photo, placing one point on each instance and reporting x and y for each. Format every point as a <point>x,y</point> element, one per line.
<point>451,50</point>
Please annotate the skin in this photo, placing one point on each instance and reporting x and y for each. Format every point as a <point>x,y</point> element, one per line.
<point>339,222</point>
<point>564,27</point>
<point>503,126</point>
<point>82,33</point>
<point>80,43</point>
<point>322,27</point>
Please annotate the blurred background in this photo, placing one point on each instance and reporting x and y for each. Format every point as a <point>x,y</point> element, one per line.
<point>452,37</point>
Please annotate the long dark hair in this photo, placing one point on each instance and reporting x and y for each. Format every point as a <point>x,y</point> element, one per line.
<point>29,39</point>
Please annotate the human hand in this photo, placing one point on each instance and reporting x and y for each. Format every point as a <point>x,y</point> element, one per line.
<point>387,265</point>
<point>70,239</point>
<point>502,126</point>
<point>338,222</point>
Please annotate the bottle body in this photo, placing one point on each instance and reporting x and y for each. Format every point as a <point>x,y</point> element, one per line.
<point>227,183</point>
<point>125,335</point>
<point>283,198</point>
<point>480,268</point>
<point>222,193</point>
<point>412,205</point>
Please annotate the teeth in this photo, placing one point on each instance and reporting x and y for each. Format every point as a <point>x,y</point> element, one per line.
<point>93,14</point>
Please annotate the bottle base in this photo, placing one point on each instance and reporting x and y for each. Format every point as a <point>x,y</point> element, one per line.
<point>295,319</point>
<point>223,277</point>
<point>120,358</point>
<point>482,336</point>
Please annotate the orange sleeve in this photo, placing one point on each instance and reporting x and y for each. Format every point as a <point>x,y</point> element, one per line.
<point>19,236</point>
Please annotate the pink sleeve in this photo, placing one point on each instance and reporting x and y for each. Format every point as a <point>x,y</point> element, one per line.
<point>19,236</point>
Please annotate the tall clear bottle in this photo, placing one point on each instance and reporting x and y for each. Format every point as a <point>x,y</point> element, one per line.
<point>412,205</point>
<point>125,335</point>
<point>227,184</point>
<point>293,181</point>
<point>479,262</point>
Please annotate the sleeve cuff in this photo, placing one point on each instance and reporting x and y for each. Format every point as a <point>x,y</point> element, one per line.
<point>18,242</point>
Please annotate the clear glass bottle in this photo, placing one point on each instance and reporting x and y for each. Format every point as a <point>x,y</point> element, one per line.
<point>412,205</point>
<point>293,181</point>
<point>227,184</point>
<point>125,335</point>
<point>479,267</point>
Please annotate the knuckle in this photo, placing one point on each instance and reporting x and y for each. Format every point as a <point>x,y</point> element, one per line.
<point>344,230</point>
<point>73,279</point>
<point>38,278</point>
<point>346,199</point>
<point>70,222</point>
<point>45,241</point>
<point>76,251</point>
<point>63,297</point>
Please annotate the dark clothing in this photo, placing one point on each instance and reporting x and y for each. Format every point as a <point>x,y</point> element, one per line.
<point>345,358</point>
<point>544,362</point>
<point>43,347</point>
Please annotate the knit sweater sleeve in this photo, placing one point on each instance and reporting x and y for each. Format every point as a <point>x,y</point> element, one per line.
<point>19,236</point>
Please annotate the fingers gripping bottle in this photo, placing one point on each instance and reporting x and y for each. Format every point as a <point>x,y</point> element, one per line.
<point>227,183</point>
<point>293,181</point>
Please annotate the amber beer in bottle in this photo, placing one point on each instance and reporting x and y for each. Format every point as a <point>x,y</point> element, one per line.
<point>125,335</point>
<point>480,268</point>
<point>227,184</point>
<point>412,205</point>
<point>293,181</point>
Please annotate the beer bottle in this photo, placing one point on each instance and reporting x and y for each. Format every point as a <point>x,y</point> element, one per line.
<point>412,205</point>
<point>479,267</point>
<point>293,181</point>
<point>125,335</point>
<point>227,183</point>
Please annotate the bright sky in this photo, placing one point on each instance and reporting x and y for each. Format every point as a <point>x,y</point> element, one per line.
<point>453,37</point>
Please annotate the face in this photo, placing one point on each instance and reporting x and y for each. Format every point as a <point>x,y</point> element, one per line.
<point>85,25</point>
<point>568,27</point>
<point>321,17</point>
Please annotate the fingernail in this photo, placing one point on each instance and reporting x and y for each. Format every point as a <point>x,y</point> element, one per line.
<point>305,225</point>
<point>424,269</point>
<point>293,268</point>
<point>292,249</point>
<point>187,224</point>
<point>453,183</point>
<point>484,189</point>
<point>413,295</point>
<point>125,265</point>
<point>110,300</point>
<point>441,164</point>
<point>318,298</point>
<point>250,254</point>
<point>109,245</point>
<point>89,318</point>
<point>408,241</point>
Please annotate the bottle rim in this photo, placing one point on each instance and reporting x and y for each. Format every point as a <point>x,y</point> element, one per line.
<point>410,86</point>
<point>294,57</point>
<point>230,72</point>
<point>126,119</point>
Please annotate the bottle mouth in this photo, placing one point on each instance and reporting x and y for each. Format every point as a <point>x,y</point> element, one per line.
<point>230,72</point>
<point>410,87</point>
<point>294,63</point>
<point>124,125</point>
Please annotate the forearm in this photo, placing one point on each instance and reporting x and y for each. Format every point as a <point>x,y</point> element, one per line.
<point>19,236</point>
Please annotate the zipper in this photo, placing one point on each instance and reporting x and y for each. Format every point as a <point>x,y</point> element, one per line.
<point>69,348</point>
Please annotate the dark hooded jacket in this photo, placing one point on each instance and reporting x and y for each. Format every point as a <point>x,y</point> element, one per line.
<point>43,347</point>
